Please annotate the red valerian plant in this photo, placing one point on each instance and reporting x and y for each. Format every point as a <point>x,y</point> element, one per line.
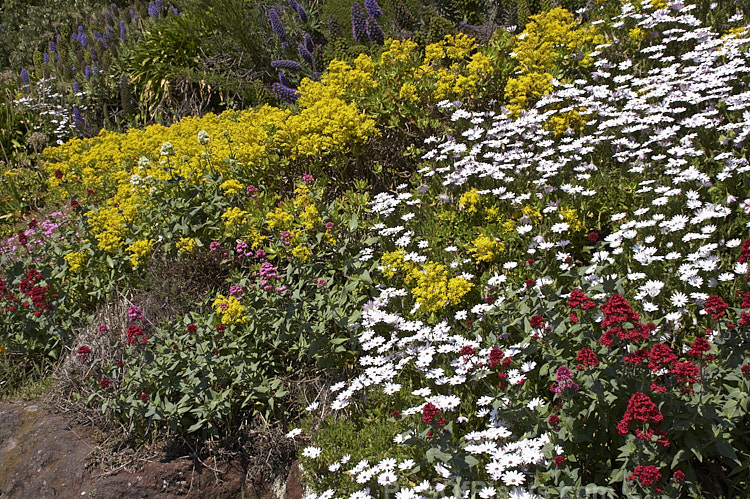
<point>648,475</point>
<point>640,408</point>
<point>83,352</point>
<point>715,306</point>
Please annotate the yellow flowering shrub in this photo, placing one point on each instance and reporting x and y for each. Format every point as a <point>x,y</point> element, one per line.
<point>302,253</point>
<point>562,122</point>
<point>637,35</point>
<point>325,122</point>
<point>108,226</point>
<point>469,201</point>
<point>457,288</point>
<point>279,219</point>
<point>76,260</point>
<point>231,186</point>
<point>485,248</point>
<point>570,215</point>
<point>234,220</point>
<point>139,251</point>
<point>434,290</point>
<point>431,289</point>
<point>540,51</point>
<point>392,262</point>
<point>186,245</point>
<point>231,309</point>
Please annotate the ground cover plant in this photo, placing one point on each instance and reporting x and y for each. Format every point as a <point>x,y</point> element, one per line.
<point>553,302</point>
<point>563,310</point>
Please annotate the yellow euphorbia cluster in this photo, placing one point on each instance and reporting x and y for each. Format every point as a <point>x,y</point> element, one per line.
<point>186,245</point>
<point>433,289</point>
<point>485,248</point>
<point>469,201</point>
<point>231,186</point>
<point>231,309</point>
<point>548,38</point>
<point>75,260</point>
<point>139,251</point>
<point>234,220</point>
<point>123,167</point>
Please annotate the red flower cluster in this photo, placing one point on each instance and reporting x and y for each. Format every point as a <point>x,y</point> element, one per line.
<point>496,357</point>
<point>745,300</point>
<point>38,294</point>
<point>637,357</point>
<point>586,358</point>
<point>662,439</point>
<point>560,461</point>
<point>593,237</point>
<point>467,350</point>
<point>678,476</point>
<point>699,346</point>
<point>661,356</point>
<point>687,373</point>
<point>640,408</point>
<point>537,321</point>
<point>658,388</point>
<point>745,251</point>
<point>133,333</point>
<point>192,328</point>
<point>144,397</point>
<point>579,299</point>
<point>553,421</point>
<point>83,352</point>
<point>429,411</point>
<point>106,384</point>
<point>648,475</point>
<point>715,306</point>
<point>617,312</point>
<point>745,370</point>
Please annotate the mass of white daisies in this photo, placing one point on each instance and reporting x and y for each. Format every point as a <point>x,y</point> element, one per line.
<point>673,122</point>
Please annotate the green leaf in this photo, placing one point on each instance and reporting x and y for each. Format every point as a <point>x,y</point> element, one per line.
<point>434,453</point>
<point>197,426</point>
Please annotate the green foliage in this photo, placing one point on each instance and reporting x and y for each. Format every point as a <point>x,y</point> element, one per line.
<point>157,65</point>
<point>27,25</point>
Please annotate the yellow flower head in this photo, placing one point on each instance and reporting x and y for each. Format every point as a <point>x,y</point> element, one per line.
<point>75,260</point>
<point>139,251</point>
<point>231,186</point>
<point>231,309</point>
<point>302,253</point>
<point>186,245</point>
<point>469,200</point>
<point>486,249</point>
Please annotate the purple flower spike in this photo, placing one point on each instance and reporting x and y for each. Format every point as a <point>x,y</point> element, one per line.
<point>372,8</point>
<point>286,64</point>
<point>374,31</point>
<point>274,17</point>
<point>309,45</point>
<point>359,24</point>
<point>301,13</point>
<point>284,93</point>
<point>305,54</point>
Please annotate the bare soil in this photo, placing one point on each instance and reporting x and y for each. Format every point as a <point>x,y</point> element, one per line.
<point>44,454</point>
